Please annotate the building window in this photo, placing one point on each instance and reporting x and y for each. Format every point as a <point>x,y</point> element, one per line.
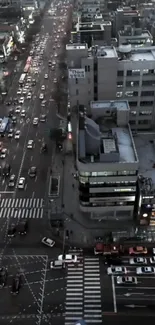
<point>146,103</point>
<point>89,91</point>
<point>135,72</point>
<point>132,122</point>
<point>133,113</point>
<point>120,73</point>
<point>131,93</point>
<point>148,83</point>
<point>143,113</point>
<point>141,122</point>
<point>147,93</point>
<point>132,83</point>
<point>76,81</point>
<point>77,92</point>
<point>119,94</point>
<point>120,84</point>
<point>86,69</point>
<point>129,73</point>
<point>133,104</point>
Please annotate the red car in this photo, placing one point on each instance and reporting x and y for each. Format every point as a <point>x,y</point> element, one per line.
<point>137,250</point>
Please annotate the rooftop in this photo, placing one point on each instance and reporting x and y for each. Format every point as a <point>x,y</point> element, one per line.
<point>102,139</point>
<point>135,33</point>
<point>145,146</point>
<point>106,52</point>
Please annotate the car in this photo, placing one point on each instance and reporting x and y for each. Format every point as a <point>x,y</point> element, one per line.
<point>145,270</point>
<point>33,82</point>
<point>152,260</point>
<point>57,264</point>
<point>55,80</point>
<point>41,96</point>
<point>25,90</point>
<point>3,153</point>
<point>44,147</point>
<point>43,103</point>
<point>46,76</point>
<point>16,284</point>
<point>68,258</point>
<point>14,120</point>
<point>153,251</point>
<point>21,183</point>
<point>30,144</point>
<point>12,181</point>
<point>53,68</point>
<point>116,270</point>
<point>23,113</point>
<point>35,121</point>
<point>3,276</point>
<point>137,250</point>
<point>17,110</point>
<point>17,135</point>
<point>11,230</point>
<point>49,63</point>
<point>22,227</point>
<point>19,91</point>
<point>21,100</point>
<point>29,96</point>
<point>137,260</point>
<point>43,87</point>
<point>42,118</point>
<point>11,112</point>
<point>10,133</point>
<point>6,170</point>
<point>48,242</point>
<point>32,171</point>
<point>126,280</point>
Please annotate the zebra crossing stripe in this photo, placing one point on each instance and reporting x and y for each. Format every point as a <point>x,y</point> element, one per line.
<point>21,203</point>
<point>34,213</point>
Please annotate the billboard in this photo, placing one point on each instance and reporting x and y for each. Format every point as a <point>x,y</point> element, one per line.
<point>76,73</point>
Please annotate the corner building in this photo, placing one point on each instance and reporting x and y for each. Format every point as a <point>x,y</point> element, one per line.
<point>107,162</point>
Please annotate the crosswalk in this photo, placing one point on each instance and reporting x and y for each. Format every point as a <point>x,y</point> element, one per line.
<point>21,203</point>
<point>83,291</point>
<point>21,208</point>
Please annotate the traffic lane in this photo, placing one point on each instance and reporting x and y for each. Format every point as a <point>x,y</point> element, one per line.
<point>106,286</point>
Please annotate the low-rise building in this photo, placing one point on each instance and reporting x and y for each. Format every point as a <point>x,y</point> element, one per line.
<point>108,73</point>
<point>135,36</point>
<point>107,161</point>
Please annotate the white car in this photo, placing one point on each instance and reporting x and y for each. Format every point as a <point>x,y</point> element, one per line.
<point>48,242</point>
<point>68,258</point>
<point>29,96</point>
<point>19,91</point>
<point>10,133</point>
<point>21,183</point>
<point>41,96</point>
<point>35,121</point>
<point>17,109</point>
<point>145,270</point>
<point>23,113</point>
<point>126,280</point>
<point>153,251</point>
<point>55,80</point>
<point>30,144</point>
<point>21,100</point>
<point>3,153</point>
<point>138,260</point>
<point>17,135</point>
<point>43,87</point>
<point>152,260</point>
<point>46,76</point>
<point>25,91</point>
<point>116,270</point>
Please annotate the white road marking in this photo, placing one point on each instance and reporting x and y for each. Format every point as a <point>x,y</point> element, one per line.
<point>114,294</point>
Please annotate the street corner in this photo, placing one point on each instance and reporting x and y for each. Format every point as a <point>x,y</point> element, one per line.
<point>26,299</point>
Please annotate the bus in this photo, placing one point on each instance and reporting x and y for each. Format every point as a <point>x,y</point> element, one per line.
<point>29,60</point>
<point>26,69</point>
<point>22,78</point>
<point>4,126</point>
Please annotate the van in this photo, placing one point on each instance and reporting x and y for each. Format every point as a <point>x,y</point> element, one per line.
<point>57,265</point>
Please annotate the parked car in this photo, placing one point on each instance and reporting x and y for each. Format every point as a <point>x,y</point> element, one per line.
<point>3,276</point>
<point>16,284</point>
<point>116,270</point>
<point>137,250</point>
<point>127,280</point>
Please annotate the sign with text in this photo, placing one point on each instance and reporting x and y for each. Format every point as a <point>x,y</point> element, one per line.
<point>76,73</point>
